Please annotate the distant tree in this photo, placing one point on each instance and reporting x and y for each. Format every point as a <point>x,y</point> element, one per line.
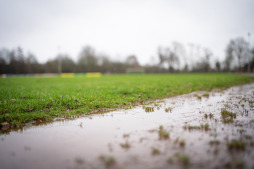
<point>105,64</point>
<point>218,66</point>
<point>13,65</point>
<point>87,60</point>
<point>118,67</point>
<point>168,56</point>
<point>229,57</point>
<point>32,64</point>
<point>180,52</point>
<point>203,65</point>
<point>237,49</point>
<point>162,56</point>
<point>68,65</point>
<point>51,66</point>
<point>21,65</point>
<point>207,55</point>
<point>132,61</point>
<point>3,61</point>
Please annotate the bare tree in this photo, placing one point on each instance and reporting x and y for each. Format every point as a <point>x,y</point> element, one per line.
<point>87,61</point>
<point>218,66</point>
<point>237,49</point>
<point>168,56</point>
<point>179,50</point>
<point>32,64</point>
<point>68,65</point>
<point>132,61</point>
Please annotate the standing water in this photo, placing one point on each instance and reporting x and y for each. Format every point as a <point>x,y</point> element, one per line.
<point>197,130</point>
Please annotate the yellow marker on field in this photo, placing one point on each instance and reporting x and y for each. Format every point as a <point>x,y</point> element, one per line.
<point>93,74</point>
<point>67,75</point>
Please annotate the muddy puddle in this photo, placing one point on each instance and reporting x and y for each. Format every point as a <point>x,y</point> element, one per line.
<point>198,130</point>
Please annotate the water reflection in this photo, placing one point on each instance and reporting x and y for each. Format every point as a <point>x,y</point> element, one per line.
<point>132,138</point>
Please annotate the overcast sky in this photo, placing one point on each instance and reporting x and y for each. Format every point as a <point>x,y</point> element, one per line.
<point>119,28</point>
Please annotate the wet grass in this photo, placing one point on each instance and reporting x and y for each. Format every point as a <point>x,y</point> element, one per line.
<point>168,109</point>
<point>206,95</point>
<point>181,143</point>
<point>149,109</point>
<point>184,159</point>
<point>201,127</point>
<point>125,145</point>
<point>214,142</point>
<point>199,97</point>
<point>236,145</point>
<point>210,115</point>
<point>155,151</point>
<point>107,160</point>
<point>24,100</point>
<point>227,116</point>
<point>163,134</point>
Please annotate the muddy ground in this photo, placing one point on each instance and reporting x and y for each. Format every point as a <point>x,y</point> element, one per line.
<point>199,130</point>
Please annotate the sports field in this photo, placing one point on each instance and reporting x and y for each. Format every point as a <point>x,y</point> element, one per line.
<point>25,100</point>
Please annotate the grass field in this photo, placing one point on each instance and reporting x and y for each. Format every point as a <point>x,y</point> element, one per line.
<point>24,100</point>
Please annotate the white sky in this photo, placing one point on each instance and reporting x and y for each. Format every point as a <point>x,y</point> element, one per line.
<point>119,28</point>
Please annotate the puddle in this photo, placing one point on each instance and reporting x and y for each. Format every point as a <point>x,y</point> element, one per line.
<point>133,138</point>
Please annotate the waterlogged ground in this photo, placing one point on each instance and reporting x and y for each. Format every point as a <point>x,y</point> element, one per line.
<point>198,130</point>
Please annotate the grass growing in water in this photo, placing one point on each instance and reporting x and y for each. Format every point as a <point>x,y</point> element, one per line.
<point>227,117</point>
<point>201,127</point>
<point>210,115</point>
<point>24,100</point>
<point>168,109</point>
<point>206,95</point>
<point>199,97</point>
<point>236,145</point>
<point>149,109</point>
<point>184,159</point>
<point>163,134</point>
<point>125,145</point>
<point>107,160</point>
<point>155,151</point>
<point>182,143</point>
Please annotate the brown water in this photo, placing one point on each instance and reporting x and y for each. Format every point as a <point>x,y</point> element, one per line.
<point>130,138</point>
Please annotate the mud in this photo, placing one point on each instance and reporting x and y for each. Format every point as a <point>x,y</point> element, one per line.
<point>180,132</point>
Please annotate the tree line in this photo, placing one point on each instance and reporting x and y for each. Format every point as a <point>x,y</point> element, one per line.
<point>239,57</point>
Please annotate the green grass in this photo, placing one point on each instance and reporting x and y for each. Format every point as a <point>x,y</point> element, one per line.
<point>155,151</point>
<point>24,100</point>
<point>163,134</point>
<point>201,127</point>
<point>236,145</point>
<point>227,117</point>
<point>107,160</point>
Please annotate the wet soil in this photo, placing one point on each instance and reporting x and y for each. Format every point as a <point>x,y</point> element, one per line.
<point>186,131</point>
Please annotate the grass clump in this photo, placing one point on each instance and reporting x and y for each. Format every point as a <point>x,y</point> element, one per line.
<point>149,109</point>
<point>155,151</point>
<point>125,145</point>
<point>107,160</point>
<point>201,127</point>
<point>227,117</point>
<point>206,95</point>
<point>206,116</point>
<point>184,159</point>
<point>199,97</point>
<point>33,99</point>
<point>214,142</point>
<point>227,106</point>
<point>182,143</point>
<point>163,134</point>
<point>236,145</point>
<point>210,115</point>
<point>168,109</point>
